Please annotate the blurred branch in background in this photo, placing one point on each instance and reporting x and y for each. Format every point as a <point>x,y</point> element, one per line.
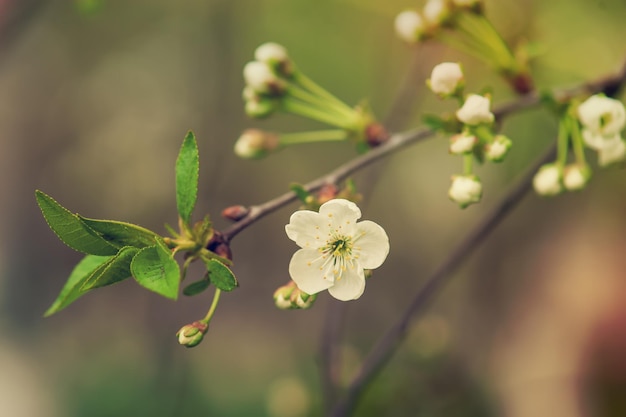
<point>15,17</point>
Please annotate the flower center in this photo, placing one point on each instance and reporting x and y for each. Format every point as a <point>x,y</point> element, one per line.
<point>338,251</point>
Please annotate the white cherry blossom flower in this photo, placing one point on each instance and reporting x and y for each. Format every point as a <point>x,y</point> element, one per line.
<point>475,110</point>
<point>436,11</point>
<point>335,249</point>
<point>612,152</point>
<point>446,78</point>
<point>602,115</point>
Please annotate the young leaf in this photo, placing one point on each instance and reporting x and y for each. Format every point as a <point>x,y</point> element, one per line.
<point>72,288</point>
<point>120,234</point>
<point>154,268</point>
<point>187,166</point>
<point>70,229</point>
<point>299,191</point>
<point>221,276</point>
<point>196,287</point>
<point>116,269</point>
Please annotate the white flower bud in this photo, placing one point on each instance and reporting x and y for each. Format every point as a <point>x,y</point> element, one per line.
<point>465,190</point>
<point>613,151</point>
<point>576,176</point>
<point>547,180</point>
<point>462,143</point>
<point>446,78</point>
<point>254,143</point>
<point>602,115</point>
<point>475,110</point>
<point>271,52</point>
<point>260,78</point>
<point>191,335</point>
<point>409,26</point>
<point>436,12</point>
<point>498,149</point>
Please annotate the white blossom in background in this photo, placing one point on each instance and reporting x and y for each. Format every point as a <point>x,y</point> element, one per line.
<point>446,78</point>
<point>255,143</point>
<point>547,181</point>
<point>613,151</point>
<point>436,12</point>
<point>271,52</point>
<point>462,143</point>
<point>465,190</point>
<point>475,110</point>
<point>335,249</point>
<point>260,77</point>
<point>496,151</point>
<point>409,26</point>
<point>602,115</point>
<point>575,177</point>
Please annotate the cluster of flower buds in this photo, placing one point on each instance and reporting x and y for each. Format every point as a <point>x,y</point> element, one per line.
<point>475,138</point>
<point>596,123</point>
<point>462,25</point>
<point>290,297</point>
<point>274,83</point>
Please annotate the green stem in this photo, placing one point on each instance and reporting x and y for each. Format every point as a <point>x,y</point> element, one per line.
<point>331,135</point>
<point>562,142</point>
<point>310,85</point>
<point>577,141</point>
<point>302,109</point>
<point>321,102</point>
<point>216,300</point>
<point>468,162</point>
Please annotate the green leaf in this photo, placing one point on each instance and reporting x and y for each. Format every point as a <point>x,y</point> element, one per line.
<point>116,269</point>
<point>154,268</point>
<point>196,287</point>
<point>187,166</point>
<point>72,288</point>
<point>120,234</point>
<point>70,229</point>
<point>221,276</point>
<point>299,191</point>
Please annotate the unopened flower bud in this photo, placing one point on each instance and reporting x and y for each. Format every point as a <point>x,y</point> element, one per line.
<point>376,134</point>
<point>576,176</point>
<point>409,26</point>
<point>260,107</point>
<point>260,77</point>
<point>446,79</point>
<point>191,335</point>
<point>436,12</point>
<point>289,297</point>
<point>465,190</point>
<point>255,143</point>
<point>497,150</point>
<point>475,110</point>
<point>462,143</point>
<point>235,213</point>
<point>547,180</point>
<point>276,56</point>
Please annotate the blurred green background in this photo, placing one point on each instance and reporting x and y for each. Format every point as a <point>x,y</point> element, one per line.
<point>95,98</point>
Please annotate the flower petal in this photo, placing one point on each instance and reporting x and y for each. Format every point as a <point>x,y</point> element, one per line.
<point>307,228</point>
<point>310,272</point>
<point>340,214</point>
<point>350,286</point>
<point>371,244</point>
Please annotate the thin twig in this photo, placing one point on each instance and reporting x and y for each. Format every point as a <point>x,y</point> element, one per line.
<point>390,341</point>
<point>401,140</point>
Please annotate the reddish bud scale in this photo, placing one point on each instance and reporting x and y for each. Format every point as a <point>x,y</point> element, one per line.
<point>376,134</point>
<point>235,213</point>
<point>220,246</point>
